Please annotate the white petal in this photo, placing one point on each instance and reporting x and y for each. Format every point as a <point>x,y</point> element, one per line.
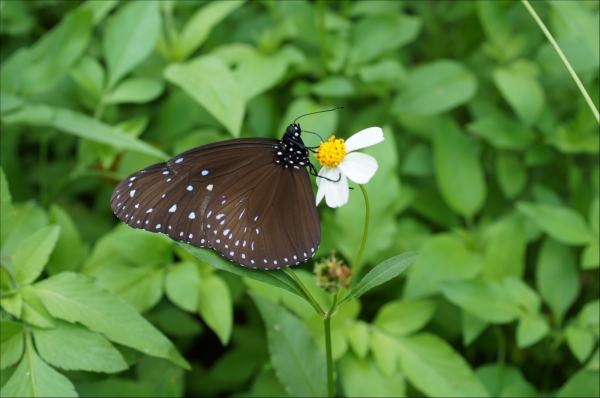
<point>322,183</point>
<point>364,138</point>
<point>337,192</point>
<point>359,167</point>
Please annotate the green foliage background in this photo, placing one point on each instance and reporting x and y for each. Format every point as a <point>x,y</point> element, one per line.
<point>489,170</point>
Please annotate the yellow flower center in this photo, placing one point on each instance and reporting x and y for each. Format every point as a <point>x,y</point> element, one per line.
<point>332,152</point>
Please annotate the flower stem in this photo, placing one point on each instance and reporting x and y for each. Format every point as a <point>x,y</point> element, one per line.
<point>309,296</point>
<point>327,323</point>
<point>563,58</point>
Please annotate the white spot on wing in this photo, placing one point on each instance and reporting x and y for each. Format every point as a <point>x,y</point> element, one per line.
<point>179,160</point>
<point>190,236</point>
<point>190,188</point>
<point>192,215</point>
<point>204,172</point>
<point>172,209</point>
<point>132,193</point>
<point>209,187</point>
<point>157,226</point>
<point>226,232</point>
<point>219,216</point>
<point>149,210</point>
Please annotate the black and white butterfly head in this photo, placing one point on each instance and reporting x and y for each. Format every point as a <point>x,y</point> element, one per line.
<point>292,153</point>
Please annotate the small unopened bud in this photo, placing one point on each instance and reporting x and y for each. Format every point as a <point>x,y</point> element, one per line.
<point>331,273</point>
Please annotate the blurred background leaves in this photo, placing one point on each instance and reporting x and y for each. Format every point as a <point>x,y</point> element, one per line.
<point>489,170</point>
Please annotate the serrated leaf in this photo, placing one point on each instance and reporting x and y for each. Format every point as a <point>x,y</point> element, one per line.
<point>556,277</point>
<point>531,329</point>
<point>86,127</point>
<point>381,273</point>
<point>130,36</point>
<point>69,251</point>
<point>358,337</point>
<point>76,298</point>
<point>30,218</point>
<point>182,285</point>
<point>34,378</point>
<point>31,257</point>
<point>458,170</point>
<point>7,222</point>
<point>200,24</point>
<point>277,278</point>
<point>135,90</point>
<point>487,300</point>
<point>435,88</point>
<point>11,343</point>
<point>215,306</point>
<point>298,363</point>
<point>62,347</point>
<point>402,317</point>
<point>34,311</point>
<point>362,378</point>
<point>562,223</point>
<point>436,369</point>
<point>210,83</point>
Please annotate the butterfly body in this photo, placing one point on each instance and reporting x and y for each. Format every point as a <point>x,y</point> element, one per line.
<point>250,199</point>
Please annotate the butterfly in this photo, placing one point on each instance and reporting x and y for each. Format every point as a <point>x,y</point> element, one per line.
<point>250,199</point>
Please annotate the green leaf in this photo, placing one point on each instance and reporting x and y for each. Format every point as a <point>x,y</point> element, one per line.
<point>34,378</point>
<point>472,327</point>
<point>505,247</point>
<point>34,311</point>
<point>13,304</point>
<point>580,341</point>
<point>358,337</point>
<point>386,70</point>
<point>562,223</point>
<point>581,23</point>
<point>557,278</point>
<point>522,92</point>
<point>31,115</point>
<point>373,36</point>
<point>210,83</point>
<point>436,369</point>
<point>486,300</point>
<point>334,87</point>
<point>362,378</point>
<point>594,217</point>
<point>182,284</point>
<point>277,278</point>
<point>199,26</point>
<point>30,218</point>
<point>511,174</point>
<point>9,102</point>
<point>442,258</point>
<point>75,298</point>
<point>62,347</point>
<point>89,75</point>
<point>589,317</point>
<point>458,171</point>
<point>135,90</point>
<point>54,53</point>
<point>84,126</point>
<point>590,256</point>
<point>384,352</point>
<point>298,363</point>
<point>531,329</point>
<point>436,88</point>
<point>256,73</point>
<point>401,317</point>
<point>115,388</point>
<point>31,257</point>
<point>502,132</point>
<point>524,295</point>
<point>166,379</point>
<point>69,251</point>
<point>381,273</point>
<point>505,381</point>
<point>584,383</point>
<point>11,343</point>
<point>130,37</point>
<point>99,8</point>
<point>8,220</point>
<point>215,306</point>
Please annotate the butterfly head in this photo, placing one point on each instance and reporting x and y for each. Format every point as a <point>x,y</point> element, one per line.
<point>293,130</point>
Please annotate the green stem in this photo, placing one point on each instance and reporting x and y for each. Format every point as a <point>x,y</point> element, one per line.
<point>309,296</point>
<point>501,345</point>
<point>43,169</point>
<point>563,58</point>
<point>355,266</point>
<point>330,386</point>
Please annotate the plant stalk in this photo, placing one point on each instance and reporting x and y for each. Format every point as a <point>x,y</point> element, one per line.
<point>563,58</point>
<point>309,296</point>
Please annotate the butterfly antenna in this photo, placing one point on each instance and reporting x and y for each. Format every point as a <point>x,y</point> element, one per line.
<point>306,131</point>
<point>312,113</point>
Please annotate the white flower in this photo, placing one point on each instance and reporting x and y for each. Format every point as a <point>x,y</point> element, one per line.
<point>340,162</point>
